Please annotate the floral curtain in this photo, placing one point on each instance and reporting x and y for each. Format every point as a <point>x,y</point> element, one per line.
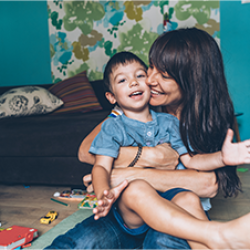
<point>85,34</point>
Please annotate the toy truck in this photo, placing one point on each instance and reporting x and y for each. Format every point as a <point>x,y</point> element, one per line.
<point>17,237</point>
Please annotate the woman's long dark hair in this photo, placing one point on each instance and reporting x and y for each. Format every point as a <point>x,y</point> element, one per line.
<point>193,58</point>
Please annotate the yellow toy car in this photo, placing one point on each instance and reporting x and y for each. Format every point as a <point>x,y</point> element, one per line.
<point>50,216</point>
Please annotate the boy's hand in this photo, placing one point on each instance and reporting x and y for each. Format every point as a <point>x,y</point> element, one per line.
<point>235,153</point>
<point>109,197</point>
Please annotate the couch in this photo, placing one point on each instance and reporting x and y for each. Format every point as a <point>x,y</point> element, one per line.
<point>42,149</point>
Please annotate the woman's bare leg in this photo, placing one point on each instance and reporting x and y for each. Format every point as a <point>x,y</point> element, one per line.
<point>141,199</point>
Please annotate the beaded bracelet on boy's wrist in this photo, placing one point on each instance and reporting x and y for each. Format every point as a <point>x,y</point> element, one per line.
<point>138,155</point>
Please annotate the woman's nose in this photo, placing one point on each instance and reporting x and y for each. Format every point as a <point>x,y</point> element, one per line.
<point>151,77</point>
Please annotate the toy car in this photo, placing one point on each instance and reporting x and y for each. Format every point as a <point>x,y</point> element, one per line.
<point>50,216</point>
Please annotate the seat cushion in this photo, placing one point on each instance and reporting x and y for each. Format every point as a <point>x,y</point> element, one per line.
<point>77,95</point>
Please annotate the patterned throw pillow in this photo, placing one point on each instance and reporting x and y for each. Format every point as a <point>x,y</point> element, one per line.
<point>28,100</point>
<point>77,95</point>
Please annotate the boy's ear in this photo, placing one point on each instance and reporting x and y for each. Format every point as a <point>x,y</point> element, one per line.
<point>110,97</point>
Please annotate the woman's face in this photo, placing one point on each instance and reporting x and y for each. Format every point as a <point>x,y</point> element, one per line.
<point>164,89</point>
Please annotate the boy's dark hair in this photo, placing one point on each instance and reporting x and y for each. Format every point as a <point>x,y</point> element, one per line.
<point>119,58</point>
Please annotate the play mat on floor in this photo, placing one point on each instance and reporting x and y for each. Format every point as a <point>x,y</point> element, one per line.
<point>68,223</point>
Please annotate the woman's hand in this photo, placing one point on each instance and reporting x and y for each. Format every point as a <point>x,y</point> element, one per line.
<point>117,176</point>
<point>161,156</point>
<point>87,181</point>
<point>235,153</point>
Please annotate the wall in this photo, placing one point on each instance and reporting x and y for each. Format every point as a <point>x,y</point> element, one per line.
<point>25,54</point>
<point>24,43</point>
<point>235,47</point>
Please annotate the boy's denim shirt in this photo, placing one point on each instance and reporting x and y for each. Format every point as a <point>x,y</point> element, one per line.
<point>123,131</point>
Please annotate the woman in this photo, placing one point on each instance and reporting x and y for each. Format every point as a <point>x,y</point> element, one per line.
<point>188,80</point>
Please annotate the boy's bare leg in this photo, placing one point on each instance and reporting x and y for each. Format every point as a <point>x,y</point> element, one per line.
<point>132,216</point>
<point>186,200</point>
<point>168,218</point>
<point>191,203</point>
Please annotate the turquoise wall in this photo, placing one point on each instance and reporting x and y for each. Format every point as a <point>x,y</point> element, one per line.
<point>235,47</point>
<point>24,43</point>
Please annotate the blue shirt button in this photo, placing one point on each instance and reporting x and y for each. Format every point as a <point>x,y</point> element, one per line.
<point>149,133</point>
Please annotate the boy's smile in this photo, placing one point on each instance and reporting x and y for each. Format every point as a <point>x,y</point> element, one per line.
<point>129,87</point>
<point>136,94</point>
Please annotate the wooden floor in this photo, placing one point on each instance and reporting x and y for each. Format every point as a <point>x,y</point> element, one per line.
<point>24,206</point>
<point>231,208</point>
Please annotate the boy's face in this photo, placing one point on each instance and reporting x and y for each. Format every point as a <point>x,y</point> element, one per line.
<point>129,87</point>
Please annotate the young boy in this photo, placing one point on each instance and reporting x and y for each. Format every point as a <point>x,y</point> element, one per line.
<point>125,76</point>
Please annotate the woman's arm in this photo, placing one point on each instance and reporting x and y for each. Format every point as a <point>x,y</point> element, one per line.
<point>161,156</point>
<point>83,151</point>
<point>204,184</point>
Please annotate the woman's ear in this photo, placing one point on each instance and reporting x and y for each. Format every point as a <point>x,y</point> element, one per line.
<point>110,97</point>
